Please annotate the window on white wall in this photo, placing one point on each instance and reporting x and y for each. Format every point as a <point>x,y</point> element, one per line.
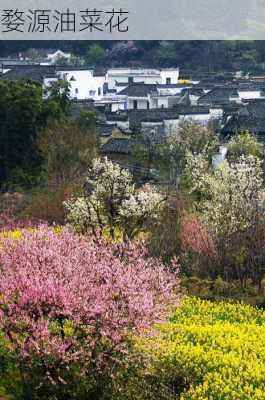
<point>99,91</point>
<point>76,90</point>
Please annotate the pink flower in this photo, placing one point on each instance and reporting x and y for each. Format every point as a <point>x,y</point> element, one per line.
<point>64,296</point>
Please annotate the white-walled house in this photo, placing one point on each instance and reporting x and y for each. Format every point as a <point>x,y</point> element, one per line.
<point>83,83</point>
<point>128,76</point>
<point>137,96</point>
<point>113,103</point>
<point>111,88</point>
<point>250,94</point>
<point>141,96</point>
<point>169,76</point>
<point>198,114</point>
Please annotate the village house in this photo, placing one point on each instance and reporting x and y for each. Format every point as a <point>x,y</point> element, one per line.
<point>116,76</point>
<point>84,83</point>
<point>145,100</point>
<point>249,117</point>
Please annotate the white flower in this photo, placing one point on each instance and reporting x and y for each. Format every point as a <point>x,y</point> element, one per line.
<point>111,199</point>
<point>230,195</point>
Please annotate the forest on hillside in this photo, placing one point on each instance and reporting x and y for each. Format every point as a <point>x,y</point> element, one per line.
<point>216,57</point>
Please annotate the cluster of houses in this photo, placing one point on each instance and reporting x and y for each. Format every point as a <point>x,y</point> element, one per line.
<point>153,101</point>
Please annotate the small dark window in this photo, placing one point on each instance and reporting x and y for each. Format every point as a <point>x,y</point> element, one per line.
<point>168,81</point>
<point>76,90</point>
<point>135,105</point>
<point>148,105</point>
<point>130,79</point>
<point>99,91</point>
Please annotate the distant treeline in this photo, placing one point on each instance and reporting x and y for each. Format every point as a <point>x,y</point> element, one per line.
<point>215,57</point>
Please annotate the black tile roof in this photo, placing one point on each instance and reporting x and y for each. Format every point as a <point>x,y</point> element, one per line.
<point>193,91</point>
<point>153,115</point>
<point>123,84</point>
<point>117,116</point>
<point>120,146</point>
<point>184,109</point>
<point>218,95</point>
<point>73,68</point>
<point>105,130</point>
<point>185,100</point>
<point>251,86</point>
<point>250,117</point>
<point>256,108</point>
<point>171,85</point>
<point>138,90</point>
<point>239,123</point>
<point>28,72</point>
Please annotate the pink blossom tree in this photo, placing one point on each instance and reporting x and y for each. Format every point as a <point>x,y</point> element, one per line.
<point>195,237</point>
<point>69,303</point>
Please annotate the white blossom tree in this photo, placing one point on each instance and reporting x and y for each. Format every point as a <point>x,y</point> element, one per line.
<point>228,197</point>
<point>111,200</point>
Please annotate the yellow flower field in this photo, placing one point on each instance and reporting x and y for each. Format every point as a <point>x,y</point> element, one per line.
<point>213,351</point>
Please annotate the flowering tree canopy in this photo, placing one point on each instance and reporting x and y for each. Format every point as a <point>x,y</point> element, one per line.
<point>111,199</point>
<point>66,300</point>
<point>244,144</point>
<point>229,196</point>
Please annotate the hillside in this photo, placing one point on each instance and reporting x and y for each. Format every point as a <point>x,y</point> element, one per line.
<point>191,56</point>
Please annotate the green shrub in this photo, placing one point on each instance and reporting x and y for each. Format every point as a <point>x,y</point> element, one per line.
<point>46,204</point>
<point>219,289</point>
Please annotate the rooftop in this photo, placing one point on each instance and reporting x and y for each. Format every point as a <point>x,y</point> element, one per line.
<point>138,90</point>
<point>28,72</point>
<point>119,145</point>
<point>219,95</point>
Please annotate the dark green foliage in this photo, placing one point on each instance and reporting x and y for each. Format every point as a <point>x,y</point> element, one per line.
<point>23,113</point>
<point>193,56</point>
<point>244,144</point>
<point>165,236</point>
<point>58,93</point>
<point>218,289</point>
<point>67,147</point>
<point>95,55</point>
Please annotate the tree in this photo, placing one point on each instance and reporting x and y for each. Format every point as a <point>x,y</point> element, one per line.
<point>24,112</point>
<point>229,196</point>
<point>67,148</point>
<point>197,138</point>
<point>230,202</point>
<point>21,114</point>
<point>62,61</point>
<point>164,239</point>
<point>58,94</point>
<point>69,308</point>
<point>111,200</point>
<point>244,144</point>
<point>170,158</point>
<point>95,54</point>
